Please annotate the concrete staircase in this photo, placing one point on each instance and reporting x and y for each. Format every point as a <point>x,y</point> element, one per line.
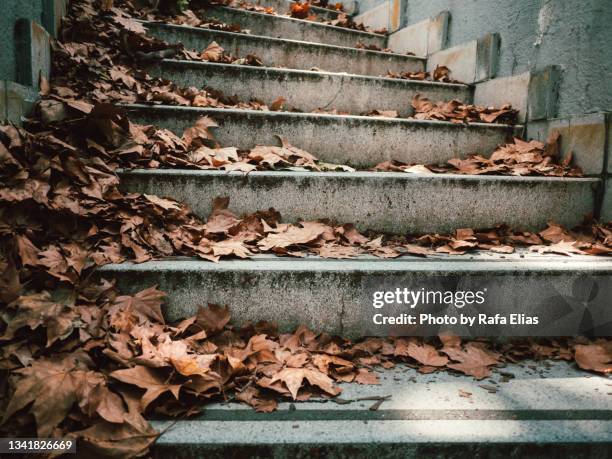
<point>347,79</point>
<point>326,71</point>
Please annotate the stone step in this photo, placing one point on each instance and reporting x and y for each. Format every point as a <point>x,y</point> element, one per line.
<point>297,29</point>
<point>284,7</point>
<point>295,54</point>
<point>336,296</point>
<point>384,201</point>
<point>544,409</point>
<point>309,90</point>
<point>360,141</point>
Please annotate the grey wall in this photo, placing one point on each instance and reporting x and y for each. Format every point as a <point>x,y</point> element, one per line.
<point>10,11</point>
<point>574,34</point>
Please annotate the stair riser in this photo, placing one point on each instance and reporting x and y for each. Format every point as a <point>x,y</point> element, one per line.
<point>374,449</point>
<point>357,141</point>
<point>336,297</point>
<point>309,90</point>
<point>282,27</point>
<point>290,54</point>
<point>384,202</point>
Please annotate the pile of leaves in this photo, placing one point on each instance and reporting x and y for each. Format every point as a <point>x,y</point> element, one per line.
<point>91,364</point>
<point>104,57</point>
<point>325,4</point>
<point>441,74</point>
<point>345,21</point>
<point>517,158</point>
<point>459,112</point>
<point>81,360</point>
<point>372,47</point>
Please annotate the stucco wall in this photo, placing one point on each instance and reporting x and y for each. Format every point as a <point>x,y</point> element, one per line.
<point>574,34</point>
<point>11,11</point>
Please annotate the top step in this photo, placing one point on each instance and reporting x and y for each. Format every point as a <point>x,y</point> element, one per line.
<point>297,29</point>
<point>293,54</point>
<point>283,7</point>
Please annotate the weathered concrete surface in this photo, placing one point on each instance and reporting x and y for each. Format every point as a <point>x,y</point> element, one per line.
<point>423,38</point>
<point>310,90</point>
<point>606,207</point>
<point>377,18</point>
<point>2,100</point>
<point>470,62</point>
<point>609,136</point>
<point>33,53</point>
<point>499,91</point>
<point>384,201</point>
<point>583,136</point>
<point>284,7</point>
<point>543,94</point>
<point>17,101</point>
<point>535,34</point>
<point>335,296</point>
<point>296,29</point>
<point>12,10</point>
<point>354,140</point>
<point>52,14</point>
<point>542,409</point>
<point>295,54</point>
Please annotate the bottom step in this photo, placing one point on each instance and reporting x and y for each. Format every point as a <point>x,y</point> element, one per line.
<point>567,295</point>
<point>544,409</point>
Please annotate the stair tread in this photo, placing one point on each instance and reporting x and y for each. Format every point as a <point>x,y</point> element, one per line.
<point>306,22</point>
<point>544,403</point>
<point>203,30</point>
<point>372,175</point>
<point>372,119</point>
<point>283,70</point>
<point>521,259</point>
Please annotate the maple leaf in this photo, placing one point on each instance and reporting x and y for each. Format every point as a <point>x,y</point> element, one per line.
<point>300,10</point>
<point>366,377</point>
<point>562,247</point>
<point>231,247</point>
<point>51,386</point>
<point>199,131</point>
<point>36,310</point>
<point>595,356</point>
<point>213,52</point>
<point>27,251</point>
<point>426,354</point>
<point>212,318</point>
<point>308,232</point>
<point>131,439</point>
<point>252,396</point>
<point>146,304</point>
<point>294,377</point>
<point>221,220</point>
<point>149,379</point>
<point>165,204</point>
<point>473,360</point>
